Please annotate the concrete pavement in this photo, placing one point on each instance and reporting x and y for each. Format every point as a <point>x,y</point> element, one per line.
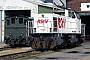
<point>86,58</point>
<point>78,53</point>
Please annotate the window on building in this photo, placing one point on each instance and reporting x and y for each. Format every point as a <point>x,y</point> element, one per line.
<point>88,6</point>
<point>20,20</point>
<point>13,20</point>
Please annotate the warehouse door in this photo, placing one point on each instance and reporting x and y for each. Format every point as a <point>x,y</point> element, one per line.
<point>86,20</point>
<point>9,13</point>
<point>83,30</point>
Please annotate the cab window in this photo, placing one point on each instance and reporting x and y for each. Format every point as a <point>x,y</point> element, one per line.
<point>78,16</point>
<point>72,15</point>
<point>8,22</point>
<point>25,20</point>
<point>12,20</point>
<point>20,20</point>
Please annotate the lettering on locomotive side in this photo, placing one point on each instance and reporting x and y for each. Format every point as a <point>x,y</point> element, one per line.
<point>61,22</point>
<point>42,21</point>
<point>43,30</point>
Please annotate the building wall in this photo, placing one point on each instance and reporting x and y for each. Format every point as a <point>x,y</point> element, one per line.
<point>18,5</point>
<point>2,30</point>
<point>0,25</point>
<point>43,9</point>
<point>76,4</point>
<point>85,6</point>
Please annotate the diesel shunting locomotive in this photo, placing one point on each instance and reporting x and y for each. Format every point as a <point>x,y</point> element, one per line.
<point>48,31</point>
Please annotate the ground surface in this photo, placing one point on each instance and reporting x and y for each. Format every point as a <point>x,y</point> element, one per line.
<point>12,50</point>
<point>78,53</point>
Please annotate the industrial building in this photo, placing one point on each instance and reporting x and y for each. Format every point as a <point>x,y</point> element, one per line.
<point>19,8</point>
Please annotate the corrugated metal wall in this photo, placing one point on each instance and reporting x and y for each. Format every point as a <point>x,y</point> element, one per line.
<point>0,26</point>
<point>43,9</point>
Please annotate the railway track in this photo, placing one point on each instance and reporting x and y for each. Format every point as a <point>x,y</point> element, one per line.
<point>18,55</point>
<point>10,53</point>
<point>8,48</point>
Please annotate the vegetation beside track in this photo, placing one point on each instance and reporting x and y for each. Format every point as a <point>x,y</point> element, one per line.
<point>42,53</point>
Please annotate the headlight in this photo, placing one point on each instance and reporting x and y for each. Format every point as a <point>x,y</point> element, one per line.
<point>10,33</point>
<point>21,34</point>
